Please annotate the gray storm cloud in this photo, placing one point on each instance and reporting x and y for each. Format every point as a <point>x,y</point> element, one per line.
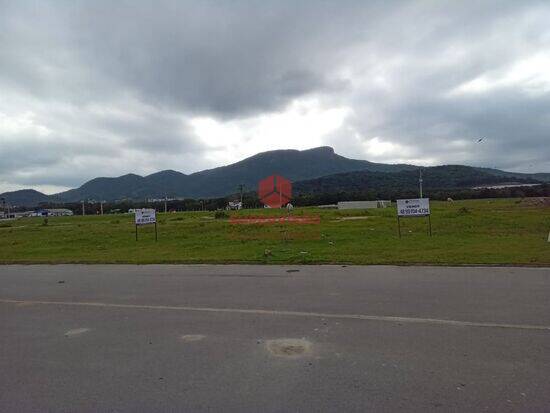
<point>105,88</point>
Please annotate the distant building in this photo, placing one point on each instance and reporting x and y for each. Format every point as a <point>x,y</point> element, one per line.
<point>54,212</point>
<point>234,205</point>
<point>61,212</point>
<point>150,200</point>
<point>363,204</point>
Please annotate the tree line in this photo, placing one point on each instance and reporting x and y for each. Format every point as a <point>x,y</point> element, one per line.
<point>251,200</point>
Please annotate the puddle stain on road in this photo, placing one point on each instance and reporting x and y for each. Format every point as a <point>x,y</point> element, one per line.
<point>189,338</point>
<point>288,347</point>
<point>76,332</point>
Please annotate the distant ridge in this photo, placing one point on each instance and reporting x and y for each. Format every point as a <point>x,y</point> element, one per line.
<point>321,166</point>
<point>435,177</point>
<point>25,197</point>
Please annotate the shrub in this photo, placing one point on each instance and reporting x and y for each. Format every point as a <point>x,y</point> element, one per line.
<point>221,215</point>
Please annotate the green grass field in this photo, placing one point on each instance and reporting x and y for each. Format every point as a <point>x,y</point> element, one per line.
<point>464,232</point>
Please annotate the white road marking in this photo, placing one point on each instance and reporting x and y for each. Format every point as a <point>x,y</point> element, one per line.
<point>391,319</point>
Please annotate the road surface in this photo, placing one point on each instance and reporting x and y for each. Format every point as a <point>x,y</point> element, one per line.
<point>274,338</point>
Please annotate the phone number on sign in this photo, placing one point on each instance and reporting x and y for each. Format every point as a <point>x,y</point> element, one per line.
<point>146,220</point>
<point>414,211</point>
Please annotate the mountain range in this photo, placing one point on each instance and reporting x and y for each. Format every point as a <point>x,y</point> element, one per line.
<point>317,169</point>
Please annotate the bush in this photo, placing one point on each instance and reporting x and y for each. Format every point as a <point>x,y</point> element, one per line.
<point>221,215</point>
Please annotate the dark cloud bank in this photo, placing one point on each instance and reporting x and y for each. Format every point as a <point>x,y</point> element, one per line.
<point>105,88</point>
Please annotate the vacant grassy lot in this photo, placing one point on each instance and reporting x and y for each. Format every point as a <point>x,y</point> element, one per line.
<point>464,232</point>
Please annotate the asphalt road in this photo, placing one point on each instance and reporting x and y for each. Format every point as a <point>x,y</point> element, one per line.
<point>274,339</point>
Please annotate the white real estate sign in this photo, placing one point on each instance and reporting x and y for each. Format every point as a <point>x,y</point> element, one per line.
<point>419,207</point>
<point>146,216</point>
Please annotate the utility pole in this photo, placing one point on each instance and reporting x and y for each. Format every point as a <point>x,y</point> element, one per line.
<point>83,209</point>
<point>101,206</point>
<point>420,182</point>
<point>5,208</point>
<point>241,187</point>
<point>165,204</point>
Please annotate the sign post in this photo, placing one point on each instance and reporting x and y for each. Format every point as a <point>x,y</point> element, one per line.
<point>419,207</point>
<point>144,217</point>
<point>398,227</point>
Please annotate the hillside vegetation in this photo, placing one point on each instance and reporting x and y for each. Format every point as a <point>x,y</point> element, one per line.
<point>293,164</point>
<point>437,177</point>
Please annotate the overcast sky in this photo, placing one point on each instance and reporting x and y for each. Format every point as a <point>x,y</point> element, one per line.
<point>103,88</point>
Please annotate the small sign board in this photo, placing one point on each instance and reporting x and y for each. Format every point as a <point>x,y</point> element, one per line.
<point>146,216</point>
<point>419,207</point>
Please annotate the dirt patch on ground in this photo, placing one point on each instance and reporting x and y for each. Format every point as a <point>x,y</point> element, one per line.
<point>353,218</point>
<point>536,202</point>
<point>288,347</point>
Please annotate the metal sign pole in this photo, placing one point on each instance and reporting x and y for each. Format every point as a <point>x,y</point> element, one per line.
<point>427,225</point>
<point>136,232</point>
<point>398,226</point>
<point>156,236</point>
<point>430,224</point>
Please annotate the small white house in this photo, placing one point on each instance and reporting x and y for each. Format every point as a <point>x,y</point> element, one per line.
<point>234,205</point>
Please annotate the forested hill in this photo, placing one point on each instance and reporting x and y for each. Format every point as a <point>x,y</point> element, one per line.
<point>437,177</point>
<point>318,169</point>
